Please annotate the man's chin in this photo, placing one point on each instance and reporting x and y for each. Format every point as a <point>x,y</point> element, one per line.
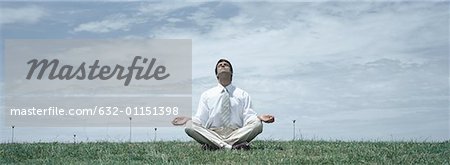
<point>224,73</point>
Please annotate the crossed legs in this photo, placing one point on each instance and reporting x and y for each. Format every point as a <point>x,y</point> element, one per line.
<point>221,139</point>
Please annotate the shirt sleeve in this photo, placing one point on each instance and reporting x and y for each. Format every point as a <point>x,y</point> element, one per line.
<point>249,113</point>
<point>202,115</point>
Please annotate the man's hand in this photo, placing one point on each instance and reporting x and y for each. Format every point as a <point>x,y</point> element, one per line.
<point>180,120</point>
<point>266,118</point>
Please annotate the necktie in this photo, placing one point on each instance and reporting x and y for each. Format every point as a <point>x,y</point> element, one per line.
<point>226,108</point>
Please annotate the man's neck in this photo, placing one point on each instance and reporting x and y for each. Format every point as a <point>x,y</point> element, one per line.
<point>224,82</point>
<point>224,79</point>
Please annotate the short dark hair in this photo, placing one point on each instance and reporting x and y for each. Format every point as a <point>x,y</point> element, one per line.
<point>224,60</point>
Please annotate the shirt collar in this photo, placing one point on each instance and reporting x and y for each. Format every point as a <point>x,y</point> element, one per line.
<point>230,87</point>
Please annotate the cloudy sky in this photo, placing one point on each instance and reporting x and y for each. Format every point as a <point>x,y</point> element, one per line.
<point>342,70</point>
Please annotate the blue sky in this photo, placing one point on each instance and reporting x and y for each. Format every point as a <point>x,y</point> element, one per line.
<point>343,70</point>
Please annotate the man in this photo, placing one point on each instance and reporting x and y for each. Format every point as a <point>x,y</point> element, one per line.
<point>225,118</point>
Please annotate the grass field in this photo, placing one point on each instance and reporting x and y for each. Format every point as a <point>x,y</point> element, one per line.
<point>262,152</point>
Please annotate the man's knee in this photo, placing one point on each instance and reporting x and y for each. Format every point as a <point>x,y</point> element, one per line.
<point>190,131</point>
<point>193,131</point>
<point>258,126</point>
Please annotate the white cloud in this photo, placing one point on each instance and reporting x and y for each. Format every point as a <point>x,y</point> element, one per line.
<point>151,12</point>
<point>113,23</point>
<point>29,14</point>
<point>163,8</point>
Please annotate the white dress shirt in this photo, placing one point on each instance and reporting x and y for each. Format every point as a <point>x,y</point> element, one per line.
<point>209,107</point>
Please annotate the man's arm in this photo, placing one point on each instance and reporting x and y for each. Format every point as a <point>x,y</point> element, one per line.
<point>199,118</point>
<point>249,113</point>
<point>202,114</point>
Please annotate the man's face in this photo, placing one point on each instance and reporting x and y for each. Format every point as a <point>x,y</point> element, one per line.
<point>223,67</point>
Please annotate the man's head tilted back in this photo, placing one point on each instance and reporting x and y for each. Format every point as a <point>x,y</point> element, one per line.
<point>223,61</point>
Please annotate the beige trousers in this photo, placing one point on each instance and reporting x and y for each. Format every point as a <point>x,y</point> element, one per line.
<point>219,137</point>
